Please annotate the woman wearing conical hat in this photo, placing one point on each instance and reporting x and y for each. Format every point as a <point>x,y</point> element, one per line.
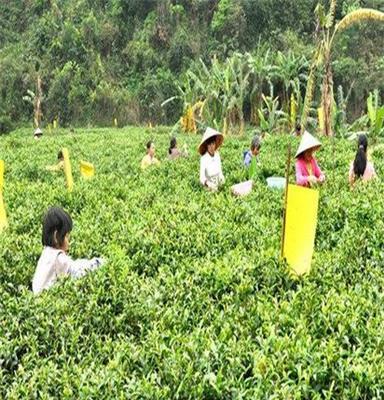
<point>211,173</point>
<point>308,173</point>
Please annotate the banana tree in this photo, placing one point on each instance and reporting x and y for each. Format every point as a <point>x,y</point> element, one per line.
<point>323,56</point>
<point>289,73</point>
<point>220,89</point>
<point>260,66</point>
<point>270,115</point>
<point>36,98</point>
<point>236,80</point>
<point>375,114</point>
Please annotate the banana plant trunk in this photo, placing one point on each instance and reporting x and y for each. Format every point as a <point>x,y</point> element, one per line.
<point>38,100</point>
<point>327,97</point>
<point>241,130</point>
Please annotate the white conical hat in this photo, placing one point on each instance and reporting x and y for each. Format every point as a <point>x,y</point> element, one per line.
<point>209,132</point>
<point>307,142</point>
<point>38,132</point>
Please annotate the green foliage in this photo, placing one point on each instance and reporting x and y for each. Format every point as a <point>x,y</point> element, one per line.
<point>6,125</point>
<point>229,26</point>
<point>375,114</point>
<point>114,47</point>
<point>193,302</point>
<point>270,115</point>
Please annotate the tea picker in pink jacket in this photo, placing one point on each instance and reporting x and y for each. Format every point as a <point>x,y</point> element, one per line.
<point>308,172</point>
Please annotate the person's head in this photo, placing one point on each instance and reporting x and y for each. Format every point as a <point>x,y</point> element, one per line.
<point>151,148</point>
<point>211,145</point>
<point>307,155</point>
<point>172,144</point>
<point>57,224</point>
<point>255,145</point>
<point>360,162</point>
<point>38,133</point>
<point>60,156</point>
<point>308,145</point>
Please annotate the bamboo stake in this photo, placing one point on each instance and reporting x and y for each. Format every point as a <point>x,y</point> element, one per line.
<point>288,166</point>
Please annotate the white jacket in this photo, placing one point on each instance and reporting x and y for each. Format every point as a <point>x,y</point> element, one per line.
<point>54,263</point>
<point>211,173</point>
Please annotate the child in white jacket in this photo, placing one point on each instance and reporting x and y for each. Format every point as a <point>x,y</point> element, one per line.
<point>54,261</point>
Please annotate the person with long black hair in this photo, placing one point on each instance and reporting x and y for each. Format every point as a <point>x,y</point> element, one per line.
<point>174,152</point>
<point>361,167</point>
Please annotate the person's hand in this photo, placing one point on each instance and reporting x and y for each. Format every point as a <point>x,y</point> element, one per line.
<point>98,262</point>
<point>211,186</point>
<point>312,180</point>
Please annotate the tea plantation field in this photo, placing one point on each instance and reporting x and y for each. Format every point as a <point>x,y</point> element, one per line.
<point>193,302</point>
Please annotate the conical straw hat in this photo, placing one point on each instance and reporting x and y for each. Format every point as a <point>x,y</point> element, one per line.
<point>307,142</point>
<point>209,132</point>
<point>38,132</point>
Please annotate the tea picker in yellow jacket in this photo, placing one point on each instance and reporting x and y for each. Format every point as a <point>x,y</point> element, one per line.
<point>149,159</point>
<point>60,163</point>
<point>211,173</point>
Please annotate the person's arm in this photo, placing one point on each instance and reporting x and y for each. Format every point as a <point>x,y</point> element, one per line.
<point>221,176</point>
<point>302,178</point>
<point>374,175</point>
<point>351,176</point>
<point>203,179</point>
<point>144,163</point>
<point>76,268</point>
<point>54,168</point>
<point>317,171</point>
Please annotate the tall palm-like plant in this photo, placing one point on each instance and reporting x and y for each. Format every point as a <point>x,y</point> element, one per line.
<point>36,98</point>
<point>222,87</point>
<point>289,73</point>
<point>236,78</point>
<point>323,56</point>
<point>260,66</point>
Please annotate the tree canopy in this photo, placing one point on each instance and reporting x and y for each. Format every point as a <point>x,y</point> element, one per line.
<point>105,59</point>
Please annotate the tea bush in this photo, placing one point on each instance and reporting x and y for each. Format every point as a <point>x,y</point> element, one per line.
<point>193,302</point>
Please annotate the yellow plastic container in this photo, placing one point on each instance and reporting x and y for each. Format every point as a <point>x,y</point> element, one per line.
<point>87,169</point>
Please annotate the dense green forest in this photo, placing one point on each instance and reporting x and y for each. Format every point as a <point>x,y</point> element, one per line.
<point>104,59</point>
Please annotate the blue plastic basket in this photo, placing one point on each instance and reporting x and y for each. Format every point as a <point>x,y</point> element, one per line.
<point>276,182</point>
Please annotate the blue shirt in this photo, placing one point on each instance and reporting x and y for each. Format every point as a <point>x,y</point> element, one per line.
<point>248,158</point>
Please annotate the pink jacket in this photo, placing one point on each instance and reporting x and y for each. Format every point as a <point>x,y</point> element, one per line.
<point>302,173</point>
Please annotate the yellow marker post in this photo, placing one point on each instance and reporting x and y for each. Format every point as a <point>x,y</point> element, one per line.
<point>87,169</point>
<point>300,228</point>
<point>1,175</point>
<point>67,169</point>
<point>3,215</point>
<point>115,122</point>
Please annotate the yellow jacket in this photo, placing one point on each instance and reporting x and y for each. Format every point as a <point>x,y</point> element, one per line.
<point>148,160</point>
